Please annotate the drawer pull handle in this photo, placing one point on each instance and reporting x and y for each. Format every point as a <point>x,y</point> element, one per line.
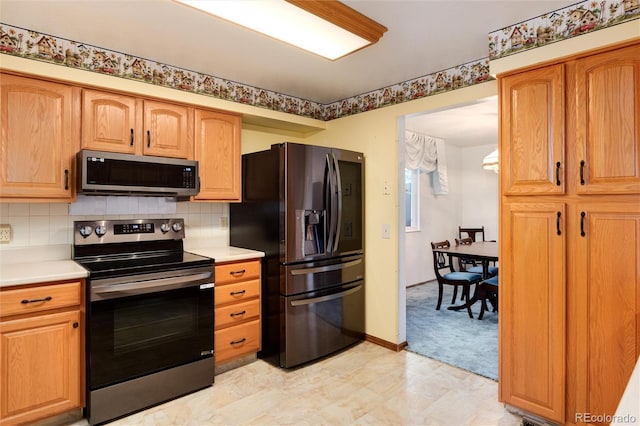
<point>237,314</point>
<point>46,299</point>
<point>237,293</point>
<point>240,272</point>
<point>237,342</point>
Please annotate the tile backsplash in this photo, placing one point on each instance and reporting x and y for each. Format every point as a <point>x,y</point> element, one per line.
<point>51,224</point>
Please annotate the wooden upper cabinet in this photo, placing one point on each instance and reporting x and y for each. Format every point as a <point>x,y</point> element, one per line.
<point>532,132</point>
<point>111,122</point>
<point>608,119</point>
<point>166,130</point>
<point>532,308</point>
<point>217,149</point>
<point>607,277</point>
<point>119,123</point>
<point>40,123</point>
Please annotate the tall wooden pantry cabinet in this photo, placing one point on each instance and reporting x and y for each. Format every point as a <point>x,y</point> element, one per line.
<point>570,234</point>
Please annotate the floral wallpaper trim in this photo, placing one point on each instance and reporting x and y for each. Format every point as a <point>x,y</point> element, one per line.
<point>571,21</point>
<point>29,44</point>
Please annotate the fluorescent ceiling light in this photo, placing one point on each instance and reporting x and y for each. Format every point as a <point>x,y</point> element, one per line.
<point>325,27</point>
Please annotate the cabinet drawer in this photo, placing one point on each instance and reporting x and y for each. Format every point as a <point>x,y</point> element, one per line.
<point>237,313</point>
<point>236,292</point>
<point>237,341</point>
<point>235,272</point>
<point>41,298</point>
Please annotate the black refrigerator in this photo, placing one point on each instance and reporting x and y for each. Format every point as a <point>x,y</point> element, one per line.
<point>303,206</point>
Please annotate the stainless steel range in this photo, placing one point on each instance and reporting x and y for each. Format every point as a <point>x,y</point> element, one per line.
<point>150,320</point>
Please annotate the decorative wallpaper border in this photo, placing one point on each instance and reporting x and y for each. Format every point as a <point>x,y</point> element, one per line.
<point>571,21</point>
<point>578,19</point>
<point>30,44</point>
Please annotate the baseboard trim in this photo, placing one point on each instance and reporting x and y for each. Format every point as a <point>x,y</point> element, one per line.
<point>386,344</point>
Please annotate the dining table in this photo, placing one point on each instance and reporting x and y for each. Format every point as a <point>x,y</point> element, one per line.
<point>484,252</point>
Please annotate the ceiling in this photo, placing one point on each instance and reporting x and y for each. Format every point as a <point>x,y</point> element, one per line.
<point>423,37</point>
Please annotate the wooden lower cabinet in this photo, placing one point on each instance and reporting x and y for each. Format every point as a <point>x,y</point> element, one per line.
<point>237,310</point>
<point>606,300</point>
<point>532,299</point>
<point>41,356</point>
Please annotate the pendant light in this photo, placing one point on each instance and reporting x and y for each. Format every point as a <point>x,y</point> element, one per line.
<point>490,162</point>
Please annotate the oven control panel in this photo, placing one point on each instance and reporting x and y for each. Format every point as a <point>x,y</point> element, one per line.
<point>122,231</point>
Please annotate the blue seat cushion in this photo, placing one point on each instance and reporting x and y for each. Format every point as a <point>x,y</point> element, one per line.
<point>462,276</point>
<point>492,270</point>
<point>493,280</point>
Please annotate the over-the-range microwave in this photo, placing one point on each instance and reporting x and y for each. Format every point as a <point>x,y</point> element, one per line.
<point>110,173</point>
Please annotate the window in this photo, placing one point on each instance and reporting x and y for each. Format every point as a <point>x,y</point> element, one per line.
<point>412,200</point>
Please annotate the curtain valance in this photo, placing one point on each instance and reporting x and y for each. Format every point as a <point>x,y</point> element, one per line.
<point>427,153</point>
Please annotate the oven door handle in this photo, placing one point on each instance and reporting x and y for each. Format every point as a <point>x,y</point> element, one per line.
<point>141,287</point>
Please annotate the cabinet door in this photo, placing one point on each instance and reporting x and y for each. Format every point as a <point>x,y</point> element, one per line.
<point>532,131</point>
<point>111,122</point>
<point>607,289</point>
<point>40,366</point>
<point>532,308</point>
<point>217,148</point>
<point>608,122</point>
<point>40,136</point>
<point>166,130</point>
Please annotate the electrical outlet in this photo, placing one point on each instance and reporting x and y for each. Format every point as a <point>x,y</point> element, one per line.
<point>223,222</point>
<point>5,233</point>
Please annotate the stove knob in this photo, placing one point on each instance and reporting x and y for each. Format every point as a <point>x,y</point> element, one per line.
<point>165,228</point>
<point>101,230</point>
<point>177,226</point>
<point>86,230</point>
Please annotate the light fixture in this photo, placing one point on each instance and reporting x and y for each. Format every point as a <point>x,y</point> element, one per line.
<point>490,162</point>
<point>325,27</point>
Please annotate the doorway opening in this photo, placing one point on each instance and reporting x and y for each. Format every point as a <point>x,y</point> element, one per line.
<point>470,133</point>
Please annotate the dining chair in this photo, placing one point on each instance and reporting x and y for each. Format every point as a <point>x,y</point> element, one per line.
<point>471,233</point>
<point>469,265</point>
<point>446,274</point>
<point>487,290</point>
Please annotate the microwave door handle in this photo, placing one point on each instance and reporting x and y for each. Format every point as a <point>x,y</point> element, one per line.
<point>141,287</point>
<point>336,167</point>
<point>320,299</point>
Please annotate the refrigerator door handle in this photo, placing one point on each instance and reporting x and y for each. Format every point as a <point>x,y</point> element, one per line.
<point>338,219</point>
<point>330,205</point>
<point>336,267</point>
<point>303,302</point>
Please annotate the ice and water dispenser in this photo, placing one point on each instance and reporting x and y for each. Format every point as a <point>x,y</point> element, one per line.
<point>311,231</point>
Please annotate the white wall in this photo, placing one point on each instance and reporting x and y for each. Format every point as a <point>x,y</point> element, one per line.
<point>472,202</point>
<point>439,219</point>
<point>479,192</point>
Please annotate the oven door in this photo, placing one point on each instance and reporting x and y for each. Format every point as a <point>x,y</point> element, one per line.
<point>145,324</point>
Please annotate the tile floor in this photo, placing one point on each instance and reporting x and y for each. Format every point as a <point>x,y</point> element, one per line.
<point>365,385</point>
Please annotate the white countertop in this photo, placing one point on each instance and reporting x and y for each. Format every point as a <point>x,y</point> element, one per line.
<point>40,272</point>
<point>53,263</point>
<point>226,253</point>
<point>628,412</point>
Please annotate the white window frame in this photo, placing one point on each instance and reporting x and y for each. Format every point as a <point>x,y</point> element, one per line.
<point>412,200</point>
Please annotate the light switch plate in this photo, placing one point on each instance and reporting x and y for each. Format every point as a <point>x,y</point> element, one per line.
<point>5,233</point>
<point>386,231</point>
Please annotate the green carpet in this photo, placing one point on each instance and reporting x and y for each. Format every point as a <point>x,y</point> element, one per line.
<point>449,336</point>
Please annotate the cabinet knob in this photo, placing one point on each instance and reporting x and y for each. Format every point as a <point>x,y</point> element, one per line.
<point>76,325</point>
